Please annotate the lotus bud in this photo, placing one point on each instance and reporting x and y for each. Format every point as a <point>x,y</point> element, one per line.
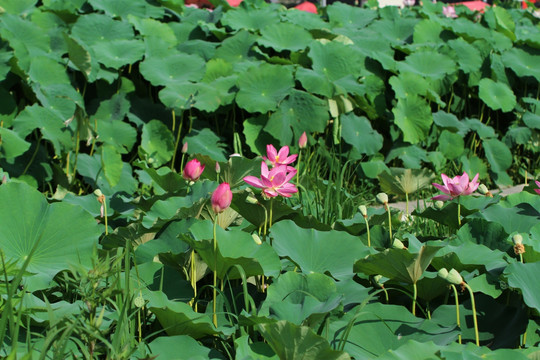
<point>184,148</point>
<point>439,204</point>
<point>363,210</point>
<point>382,198</point>
<point>250,199</point>
<point>193,170</point>
<point>482,189</point>
<point>443,273</point>
<point>454,277</point>
<point>398,244</point>
<point>4,179</point>
<point>221,198</point>
<point>218,168</point>
<point>256,238</point>
<point>518,244</point>
<point>302,142</point>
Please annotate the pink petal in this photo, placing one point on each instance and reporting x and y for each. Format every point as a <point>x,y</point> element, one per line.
<point>442,188</point>
<point>270,192</point>
<point>441,197</point>
<point>446,180</point>
<point>290,159</point>
<point>254,181</point>
<point>463,181</point>
<point>264,169</point>
<point>283,153</point>
<point>271,152</point>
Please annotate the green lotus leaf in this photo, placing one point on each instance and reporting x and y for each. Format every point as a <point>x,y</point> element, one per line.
<point>300,112</point>
<point>247,349</point>
<point>480,231</point>
<point>413,117</point>
<point>93,29</point>
<point>411,155</point>
<point>256,137</point>
<point>505,23</point>
<point>496,95</point>
<point>91,168</point>
<point>284,36</point>
<point>407,83</point>
<point>473,164</point>
<point>379,329</point>
<point>262,87</point>
<point>304,19</point>
<point>498,155</point>
<point>38,230</point>
<point>235,247</point>
<point>291,342</point>
<point>400,181</point>
<point>111,127</point>
<point>315,82</point>
<point>522,62</point>
<point>524,277</point>
<point>468,256</point>
<point>521,217</point>
<point>344,15</point>
<point>318,251</point>
<point>174,68</point>
<point>205,142</point>
<point>217,68</point>
<point>427,31</point>
<point>483,130</point>
<point>451,122</point>
<point>394,31</point>
<point>169,347</point>
<point>357,131</point>
<point>112,164</point>
<point>123,8</point>
<point>46,71</point>
<point>19,7</point>
<point>236,48</point>
<point>519,135</point>
<point>79,56</point>
<point>157,143</point>
<point>467,56</point>
<point>451,144</point>
<point>469,30</point>
<point>117,53</point>
<point>250,19</point>
<point>373,168</point>
<point>154,29</point>
<point>429,64</point>
<point>12,144</point>
<point>336,60</point>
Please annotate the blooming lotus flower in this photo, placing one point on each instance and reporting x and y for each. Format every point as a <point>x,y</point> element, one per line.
<point>221,198</point>
<point>274,182</point>
<point>193,170</point>
<point>457,186</point>
<point>537,184</point>
<point>279,158</point>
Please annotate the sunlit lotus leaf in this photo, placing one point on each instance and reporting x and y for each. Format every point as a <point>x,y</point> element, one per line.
<point>112,164</point>
<point>490,234</point>
<point>149,27</point>
<point>379,329</point>
<point>411,155</point>
<point>427,31</point>
<point>505,23</point>
<point>522,62</point>
<point>497,95</point>
<point>262,87</point>
<point>79,56</point>
<point>497,154</point>
<point>484,131</point>
<point>318,251</point>
<point>373,168</point>
<point>413,117</point>
<point>468,256</point>
<point>117,53</point>
<point>61,99</point>
<point>250,19</point>
<point>291,342</point>
<point>235,247</point>
<point>284,36</point>
<point>91,168</point>
<point>157,143</point>
<point>206,142</point>
<point>247,349</point>
<point>357,131</point>
<point>528,34</point>
<point>520,218</point>
<point>467,56</point>
<point>306,20</point>
<point>531,120</point>
<point>469,30</point>
<point>295,297</point>
<point>237,48</point>
<point>123,8</point>
<point>344,15</point>
<point>12,144</point>
<point>170,346</point>
<point>315,82</point>
<point>395,32</point>
<point>93,29</point>
<point>46,71</point>
<point>429,64</point>
<point>176,67</point>
<point>407,83</point>
<point>451,144</point>
<point>401,181</point>
<point>37,230</point>
<point>336,60</point>
<point>300,112</point>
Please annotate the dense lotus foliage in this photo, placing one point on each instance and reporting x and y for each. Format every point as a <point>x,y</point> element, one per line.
<point>179,183</point>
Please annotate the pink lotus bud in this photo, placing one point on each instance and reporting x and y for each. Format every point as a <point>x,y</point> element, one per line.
<point>221,198</point>
<point>302,142</point>
<point>184,148</point>
<point>218,168</point>
<point>193,170</point>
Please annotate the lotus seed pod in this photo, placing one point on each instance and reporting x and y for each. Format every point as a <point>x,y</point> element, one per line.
<point>454,277</point>
<point>363,210</point>
<point>439,204</point>
<point>382,198</point>
<point>443,273</point>
<point>251,200</point>
<point>482,189</point>
<point>377,280</point>
<point>98,193</point>
<point>398,244</point>
<point>517,239</point>
<point>256,238</point>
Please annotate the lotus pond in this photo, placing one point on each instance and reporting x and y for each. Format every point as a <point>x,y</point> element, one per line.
<point>180,183</point>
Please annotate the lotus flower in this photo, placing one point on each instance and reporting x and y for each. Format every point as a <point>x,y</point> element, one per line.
<point>221,198</point>
<point>457,186</point>
<point>193,170</point>
<point>274,182</point>
<point>302,142</point>
<point>537,184</point>
<point>449,11</point>
<point>279,158</point>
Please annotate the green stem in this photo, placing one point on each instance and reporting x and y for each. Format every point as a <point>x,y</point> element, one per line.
<point>271,209</point>
<point>194,279</point>
<point>389,222</point>
<point>457,310</point>
<point>105,215</point>
<point>474,314</point>
<point>415,294</point>
<point>407,205</point>
<point>214,316</point>
<point>368,234</point>
<point>459,211</point>
<point>298,172</point>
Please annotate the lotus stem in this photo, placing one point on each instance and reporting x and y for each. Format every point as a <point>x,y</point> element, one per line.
<point>457,310</point>
<point>407,204</point>
<point>194,279</point>
<point>459,212</point>
<point>105,216</point>
<point>214,316</point>
<point>389,221</point>
<point>368,234</point>
<point>415,293</point>
<point>474,313</point>
<point>298,172</point>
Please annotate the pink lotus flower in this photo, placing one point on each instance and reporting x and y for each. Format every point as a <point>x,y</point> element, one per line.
<point>449,11</point>
<point>537,184</point>
<point>193,170</point>
<point>221,198</point>
<point>274,182</point>
<point>279,158</point>
<point>302,142</point>
<point>457,186</point>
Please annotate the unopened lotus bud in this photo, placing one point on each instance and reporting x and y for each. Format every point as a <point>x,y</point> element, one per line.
<point>518,244</point>
<point>184,148</point>
<point>302,142</point>
<point>454,277</point>
<point>382,198</point>
<point>252,200</point>
<point>363,210</point>
<point>482,189</point>
<point>443,273</point>
<point>398,244</point>
<point>257,239</point>
<point>439,204</point>
<point>218,168</point>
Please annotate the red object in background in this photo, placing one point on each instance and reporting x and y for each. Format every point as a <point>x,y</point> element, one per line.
<point>234,3</point>
<point>201,4</point>
<point>307,6</point>
<point>473,5</point>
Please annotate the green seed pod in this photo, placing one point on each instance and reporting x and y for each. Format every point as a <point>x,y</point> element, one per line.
<point>517,239</point>
<point>256,238</point>
<point>454,277</point>
<point>443,273</point>
<point>98,193</point>
<point>382,198</point>
<point>363,210</point>
<point>398,244</point>
<point>439,204</point>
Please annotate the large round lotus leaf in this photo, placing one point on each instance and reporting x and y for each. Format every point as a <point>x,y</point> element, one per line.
<point>306,20</point>
<point>112,164</point>
<point>427,31</point>
<point>336,60</point>
<point>428,63</point>
<point>467,56</point>
<point>496,95</point>
<point>176,67</point>
<point>483,130</point>
<point>92,29</point>
<point>91,168</point>
<point>407,83</point>
<point>157,142</point>
<point>250,19</point>
<point>169,347</point>
<point>344,15</point>
<point>256,137</point>
<point>357,131</point>
<point>318,251</point>
<point>123,8</point>
<point>262,87</point>
<point>473,164</point>
<point>413,117</point>
<point>46,71</point>
<point>300,112</point>
<point>450,121</point>
<point>395,32</point>
<point>498,155</point>
<point>294,297</point>
<point>291,342</point>
<point>54,236</point>
<point>522,62</point>
<point>12,144</point>
<point>206,142</point>
<point>247,349</point>
<point>236,48</point>
<point>451,144</point>
<point>117,53</point>
<point>154,29</point>
<point>531,120</point>
<point>315,82</point>
<point>283,36</point>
